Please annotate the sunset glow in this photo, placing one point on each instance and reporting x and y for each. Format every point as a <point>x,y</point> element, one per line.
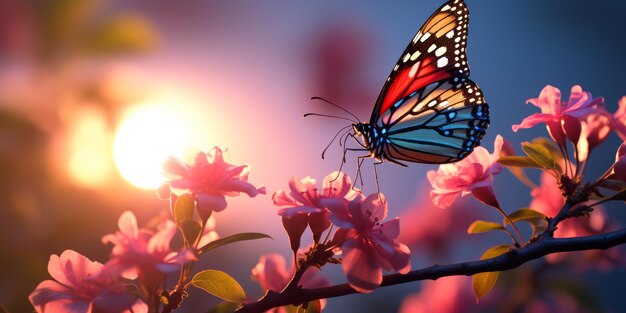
<point>144,139</point>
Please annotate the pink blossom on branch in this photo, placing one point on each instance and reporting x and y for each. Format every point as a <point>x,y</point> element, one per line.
<point>143,253</point>
<point>79,287</point>
<point>618,169</point>
<point>209,177</point>
<point>272,274</point>
<point>301,206</point>
<point>474,175</point>
<point>618,120</point>
<point>451,294</point>
<point>597,127</point>
<point>554,111</point>
<point>370,245</point>
<point>548,199</point>
<point>304,197</point>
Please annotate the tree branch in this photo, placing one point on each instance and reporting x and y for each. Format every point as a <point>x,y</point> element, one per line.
<point>512,259</point>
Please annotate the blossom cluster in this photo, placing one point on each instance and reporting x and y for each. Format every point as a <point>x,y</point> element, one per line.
<point>367,242</point>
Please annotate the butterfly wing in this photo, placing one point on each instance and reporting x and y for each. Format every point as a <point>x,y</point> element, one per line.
<point>439,123</point>
<point>437,52</point>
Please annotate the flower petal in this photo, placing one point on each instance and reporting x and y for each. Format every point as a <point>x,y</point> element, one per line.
<point>210,202</point>
<point>340,216</point>
<point>336,184</point>
<point>281,198</point>
<point>374,208</point>
<point>271,272</point>
<point>358,262</point>
<point>444,199</point>
<point>160,242</point>
<point>533,120</point>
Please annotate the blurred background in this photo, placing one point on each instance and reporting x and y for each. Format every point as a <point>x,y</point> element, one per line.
<point>93,94</point>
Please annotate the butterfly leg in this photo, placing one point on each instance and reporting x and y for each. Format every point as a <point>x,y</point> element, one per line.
<point>376,177</point>
<point>358,175</point>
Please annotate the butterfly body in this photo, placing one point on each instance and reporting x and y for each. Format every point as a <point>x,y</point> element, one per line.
<point>429,111</point>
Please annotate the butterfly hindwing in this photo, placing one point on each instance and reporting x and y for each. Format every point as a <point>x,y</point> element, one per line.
<point>440,123</point>
<point>437,52</point>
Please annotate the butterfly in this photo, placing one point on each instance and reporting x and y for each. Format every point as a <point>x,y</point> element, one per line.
<point>428,111</point>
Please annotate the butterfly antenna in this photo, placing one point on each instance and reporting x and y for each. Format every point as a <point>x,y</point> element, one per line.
<point>331,116</point>
<point>337,106</point>
<point>343,138</point>
<point>343,161</point>
<point>332,140</point>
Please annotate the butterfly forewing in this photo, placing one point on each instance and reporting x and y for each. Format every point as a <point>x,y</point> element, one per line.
<point>437,52</point>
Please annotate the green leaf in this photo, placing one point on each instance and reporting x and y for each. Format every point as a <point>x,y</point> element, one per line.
<point>516,167</point>
<point>482,226</point>
<point>232,238</point>
<point>496,251</point>
<point>524,215</point>
<point>224,307</point>
<point>482,283</point>
<point>291,308</point>
<point>551,146</point>
<point>540,155</point>
<point>191,230</point>
<point>518,161</point>
<point>537,220</point>
<point>220,285</point>
<point>183,209</point>
<point>314,306</point>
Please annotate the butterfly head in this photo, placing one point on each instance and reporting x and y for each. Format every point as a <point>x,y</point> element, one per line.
<point>365,134</point>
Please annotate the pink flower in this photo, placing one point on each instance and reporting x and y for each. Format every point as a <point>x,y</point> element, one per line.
<point>142,252</point>
<point>303,196</point>
<point>474,175</point>
<point>554,111</point>
<point>272,274</point>
<point>547,197</point>
<point>434,231</point>
<point>596,127</point>
<point>445,295</point>
<point>618,171</point>
<point>618,122</point>
<point>209,178</point>
<point>301,206</point>
<point>79,287</point>
<point>370,244</point>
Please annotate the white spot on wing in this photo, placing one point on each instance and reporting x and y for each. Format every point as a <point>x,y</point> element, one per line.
<point>450,34</point>
<point>415,55</point>
<point>431,48</point>
<point>424,37</point>
<point>413,70</point>
<point>417,37</point>
<point>406,57</point>
<point>440,51</point>
<point>445,8</point>
<point>443,61</point>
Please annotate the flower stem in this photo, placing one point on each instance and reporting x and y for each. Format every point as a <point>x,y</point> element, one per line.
<point>519,235</point>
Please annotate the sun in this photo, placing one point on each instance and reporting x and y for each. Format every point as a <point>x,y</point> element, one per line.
<point>148,134</point>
